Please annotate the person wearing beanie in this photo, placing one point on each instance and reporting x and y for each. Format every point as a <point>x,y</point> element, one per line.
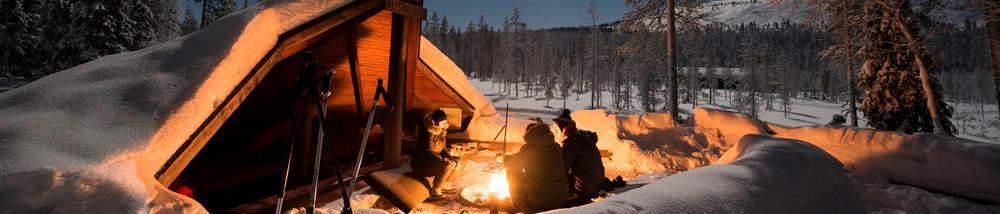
<point>430,158</point>
<point>584,167</point>
<point>536,175</point>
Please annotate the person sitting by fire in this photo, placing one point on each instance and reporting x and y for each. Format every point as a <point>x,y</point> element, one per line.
<point>430,158</point>
<point>536,176</point>
<point>584,167</point>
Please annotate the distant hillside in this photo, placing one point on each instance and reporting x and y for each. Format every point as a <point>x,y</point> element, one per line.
<point>955,12</point>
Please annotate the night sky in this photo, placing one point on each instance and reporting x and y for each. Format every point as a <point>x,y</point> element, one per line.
<point>537,13</point>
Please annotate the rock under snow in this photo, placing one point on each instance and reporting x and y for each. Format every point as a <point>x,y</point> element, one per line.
<point>768,175</point>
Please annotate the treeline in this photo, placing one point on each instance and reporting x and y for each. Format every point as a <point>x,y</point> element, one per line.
<point>561,62</point>
<point>766,65</point>
<point>40,37</point>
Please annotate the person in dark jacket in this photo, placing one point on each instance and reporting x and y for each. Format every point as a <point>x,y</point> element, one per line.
<point>430,158</point>
<point>584,167</point>
<point>535,173</point>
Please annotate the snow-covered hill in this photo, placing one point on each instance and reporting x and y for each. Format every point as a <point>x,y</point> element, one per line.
<point>735,12</point>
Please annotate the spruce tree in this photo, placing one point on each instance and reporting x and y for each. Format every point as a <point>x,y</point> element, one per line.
<point>18,35</point>
<point>167,25</point>
<point>213,10</point>
<point>104,27</point>
<point>894,74</point>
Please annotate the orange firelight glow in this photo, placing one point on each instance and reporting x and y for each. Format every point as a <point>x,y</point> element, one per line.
<point>498,185</point>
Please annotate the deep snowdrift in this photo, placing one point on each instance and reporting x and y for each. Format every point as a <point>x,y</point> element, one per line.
<point>723,129</point>
<point>767,175</point>
<point>949,165</point>
<point>643,144</point>
<point>94,135</point>
<point>945,164</point>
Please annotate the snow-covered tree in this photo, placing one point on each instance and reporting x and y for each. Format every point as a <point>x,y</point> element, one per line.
<point>18,35</point>
<point>104,27</point>
<point>900,92</point>
<point>213,10</point>
<point>992,9</point>
<point>190,23</point>
<point>167,22</point>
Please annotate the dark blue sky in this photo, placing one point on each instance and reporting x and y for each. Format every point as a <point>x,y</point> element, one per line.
<point>537,13</point>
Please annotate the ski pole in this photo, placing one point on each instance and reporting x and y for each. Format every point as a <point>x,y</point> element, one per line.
<point>288,166</point>
<point>364,139</point>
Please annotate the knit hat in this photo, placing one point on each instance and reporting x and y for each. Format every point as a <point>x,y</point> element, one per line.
<point>538,132</point>
<point>438,116</point>
<point>564,119</point>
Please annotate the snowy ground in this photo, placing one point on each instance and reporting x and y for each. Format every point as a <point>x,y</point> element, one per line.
<point>974,122</point>
<point>7,84</point>
<point>879,198</point>
<point>474,169</point>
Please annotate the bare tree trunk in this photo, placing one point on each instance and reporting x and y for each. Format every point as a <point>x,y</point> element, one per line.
<point>852,97</point>
<point>204,13</point>
<point>671,97</point>
<point>993,32</point>
<point>925,78</point>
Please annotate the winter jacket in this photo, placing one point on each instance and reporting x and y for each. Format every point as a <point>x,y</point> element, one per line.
<point>536,174</point>
<point>429,158</point>
<point>584,167</point>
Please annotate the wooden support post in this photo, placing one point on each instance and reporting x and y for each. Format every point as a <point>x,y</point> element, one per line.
<point>352,59</point>
<point>402,66</point>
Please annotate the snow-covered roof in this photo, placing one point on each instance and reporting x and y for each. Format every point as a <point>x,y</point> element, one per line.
<point>486,122</point>
<point>452,75</point>
<point>126,114</point>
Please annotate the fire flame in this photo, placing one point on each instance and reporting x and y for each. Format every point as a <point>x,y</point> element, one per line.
<point>498,185</point>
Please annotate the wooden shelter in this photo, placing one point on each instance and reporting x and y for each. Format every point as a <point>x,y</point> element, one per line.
<point>237,155</point>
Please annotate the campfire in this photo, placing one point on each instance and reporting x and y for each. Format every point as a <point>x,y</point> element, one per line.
<point>487,194</point>
<point>498,185</point>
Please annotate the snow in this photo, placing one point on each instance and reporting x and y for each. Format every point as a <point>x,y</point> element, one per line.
<point>8,83</point>
<point>973,124</point>
<point>728,126</point>
<point>643,144</point>
<point>486,123</point>
<point>735,12</point>
<point>890,198</point>
<point>360,203</point>
<point>92,137</point>
<point>923,160</point>
<point>769,175</point>
<point>760,12</point>
<point>95,134</point>
<point>912,164</point>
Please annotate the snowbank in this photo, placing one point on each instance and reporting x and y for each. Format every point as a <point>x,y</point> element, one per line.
<point>946,164</point>
<point>627,159</point>
<point>892,198</point>
<point>723,129</point>
<point>647,143</point>
<point>95,134</point>
<point>768,175</point>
